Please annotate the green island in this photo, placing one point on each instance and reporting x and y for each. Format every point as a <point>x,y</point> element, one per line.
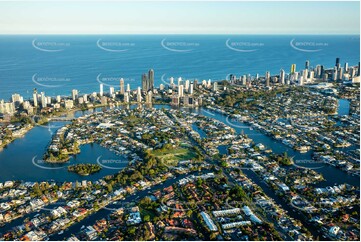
<point>84,169</point>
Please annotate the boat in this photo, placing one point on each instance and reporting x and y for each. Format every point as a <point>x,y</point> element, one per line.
<point>82,227</point>
<point>61,232</point>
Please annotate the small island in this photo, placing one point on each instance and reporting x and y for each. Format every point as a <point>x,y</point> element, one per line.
<point>84,169</point>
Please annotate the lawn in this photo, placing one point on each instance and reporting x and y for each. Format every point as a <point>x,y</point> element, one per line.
<point>174,155</point>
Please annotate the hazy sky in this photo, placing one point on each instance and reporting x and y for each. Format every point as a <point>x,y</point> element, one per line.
<point>95,17</point>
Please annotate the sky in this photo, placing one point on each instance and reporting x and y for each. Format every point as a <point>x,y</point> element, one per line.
<point>155,17</point>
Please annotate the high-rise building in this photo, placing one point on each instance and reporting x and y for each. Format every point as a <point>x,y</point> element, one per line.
<point>101,89</point>
<point>322,71</point>
<point>204,83</point>
<point>121,83</point>
<point>282,76</point>
<point>318,71</point>
<point>7,107</point>
<point>17,99</point>
<point>180,91</point>
<point>293,68</point>
<point>161,87</point>
<point>103,100</point>
<point>68,104</point>
<point>126,97</point>
<point>244,80</point>
<point>215,86</point>
<point>209,84</point>
<point>74,94</point>
<point>249,78</point>
<point>139,95</point>
<point>144,82</point>
<point>346,67</point>
<point>301,81</point>
<point>35,97</point>
<point>151,79</point>
<point>305,74</point>
<point>358,70</point>
<point>191,88</point>
<point>311,75</point>
<point>325,77</point>
<point>307,64</point>
<point>337,62</point>
<point>43,100</point>
<point>334,74</point>
<point>111,91</point>
<point>195,84</point>
<point>340,74</point>
<point>351,71</point>
<point>186,85</point>
<point>232,78</point>
<point>128,87</point>
<point>179,81</point>
<point>148,97</point>
<point>148,81</point>
<point>267,78</point>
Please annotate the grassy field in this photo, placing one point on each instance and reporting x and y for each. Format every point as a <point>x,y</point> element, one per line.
<point>173,156</point>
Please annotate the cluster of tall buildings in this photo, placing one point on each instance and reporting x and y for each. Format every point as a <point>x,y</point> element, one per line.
<point>185,90</point>
<point>148,81</point>
<point>306,75</point>
<point>17,101</point>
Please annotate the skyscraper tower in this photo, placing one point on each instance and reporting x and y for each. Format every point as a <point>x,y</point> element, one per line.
<point>43,100</point>
<point>322,71</point>
<point>195,84</point>
<point>282,76</point>
<point>307,64</point>
<point>101,89</point>
<point>267,77</point>
<point>338,65</point>
<point>144,83</point>
<point>126,97</point>
<point>186,86</point>
<point>148,97</point>
<point>180,91</point>
<point>35,97</point>
<point>150,79</point>
<point>293,68</point>
<point>139,95</point>
<point>111,90</point>
<point>74,94</point>
<point>122,86</point>
<point>191,88</point>
<point>179,81</point>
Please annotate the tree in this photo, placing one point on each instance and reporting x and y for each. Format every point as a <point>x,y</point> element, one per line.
<point>146,218</point>
<point>109,187</point>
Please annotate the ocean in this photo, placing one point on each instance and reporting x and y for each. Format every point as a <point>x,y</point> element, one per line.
<point>56,64</point>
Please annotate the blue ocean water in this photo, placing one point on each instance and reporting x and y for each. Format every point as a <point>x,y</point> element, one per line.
<point>57,64</point>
